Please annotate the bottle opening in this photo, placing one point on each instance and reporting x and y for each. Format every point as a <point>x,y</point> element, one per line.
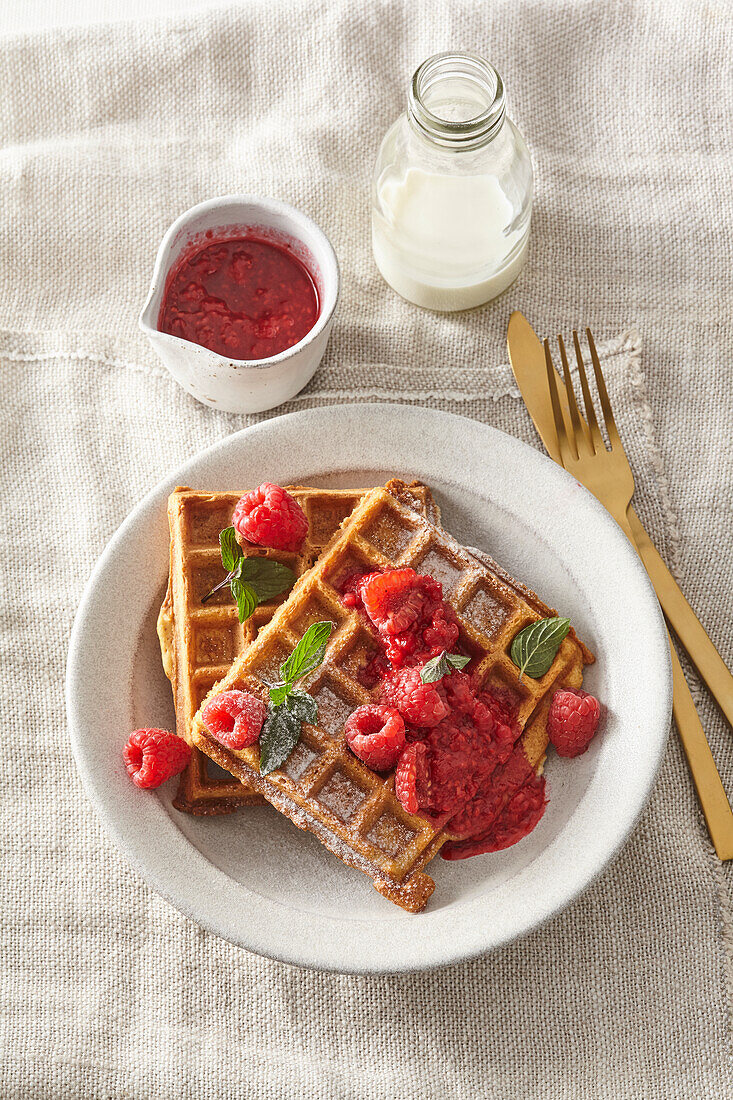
<point>457,100</point>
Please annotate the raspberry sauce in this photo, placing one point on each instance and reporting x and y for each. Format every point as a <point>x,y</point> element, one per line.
<point>245,298</point>
<point>467,769</point>
<point>504,813</point>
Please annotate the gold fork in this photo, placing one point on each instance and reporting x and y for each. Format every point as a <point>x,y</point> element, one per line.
<point>607,474</point>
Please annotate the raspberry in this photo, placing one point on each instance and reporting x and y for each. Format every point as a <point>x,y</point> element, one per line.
<point>376,735</point>
<point>270,517</point>
<point>519,817</point>
<point>412,777</point>
<point>152,756</point>
<point>572,721</point>
<point>394,600</point>
<point>351,588</point>
<point>234,718</point>
<point>408,611</point>
<point>422,705</point>
<point>375,669</point>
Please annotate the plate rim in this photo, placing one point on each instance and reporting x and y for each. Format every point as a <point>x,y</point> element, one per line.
<point>433,959</point>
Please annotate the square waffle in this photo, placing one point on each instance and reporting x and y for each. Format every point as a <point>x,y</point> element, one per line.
<point>322,786</point>
<point>199,641</point>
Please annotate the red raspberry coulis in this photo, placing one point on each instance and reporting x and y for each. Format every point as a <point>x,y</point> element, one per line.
<point>473,771</point>
<point>245,298</point>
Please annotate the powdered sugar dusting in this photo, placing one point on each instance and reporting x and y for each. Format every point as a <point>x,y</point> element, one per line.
<point>389,534</point>
<point>342,796</point>
<point>485,611</point>
<point>443,570</point>
<point>390,835</point>
<point>332,711</point>
<point>299,761</point>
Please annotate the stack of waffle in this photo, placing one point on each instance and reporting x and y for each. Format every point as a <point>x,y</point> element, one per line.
<point>322,786</point>
<point>199,641</point>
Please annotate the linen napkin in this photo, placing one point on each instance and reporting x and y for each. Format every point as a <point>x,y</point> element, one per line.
<point>108,134</point>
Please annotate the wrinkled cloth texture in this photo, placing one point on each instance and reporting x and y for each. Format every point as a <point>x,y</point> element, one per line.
<point>108,134</point>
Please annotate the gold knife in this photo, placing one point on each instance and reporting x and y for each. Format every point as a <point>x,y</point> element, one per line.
<point>713,799</point>
<point>527,358</point>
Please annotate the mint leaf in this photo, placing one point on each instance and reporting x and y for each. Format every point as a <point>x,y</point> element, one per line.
<point>231,551</point>
<point>245,596</point>
<point>308,653</point>
<point>283,726</point>
<point>534,648</point>
<point>279,693</point>
<point>288,708</point>
<point>268,578</point>
<point>302,705</point>
<point>280,735</point>
<point>442,665</point>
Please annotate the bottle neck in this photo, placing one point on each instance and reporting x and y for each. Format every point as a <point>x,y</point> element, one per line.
<point>456,101</point>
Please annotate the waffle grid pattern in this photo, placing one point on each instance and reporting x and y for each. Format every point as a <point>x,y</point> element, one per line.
<point>354,810</point>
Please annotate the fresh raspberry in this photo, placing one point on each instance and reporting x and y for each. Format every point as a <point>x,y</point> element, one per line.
<point>234,718</point>
<point>394,600</point>
<point>270,517</point>
<point>422,705</point>
<point>376,735</point>
<point>572,721</point>
<point>408,610</point>
<point>152,756</point>
<point>412,777</point>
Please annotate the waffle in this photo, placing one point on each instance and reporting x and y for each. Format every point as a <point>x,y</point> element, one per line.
<point>199,641</point>
<point>322,786</point>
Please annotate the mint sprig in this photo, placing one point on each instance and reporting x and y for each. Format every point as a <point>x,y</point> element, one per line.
<point>308,653</point>
<point>252,580</point>
<point>443,665</point>
<point>245,597</point>
<point>535,647</point>
<point>289,707</point>
<point>231,551</point>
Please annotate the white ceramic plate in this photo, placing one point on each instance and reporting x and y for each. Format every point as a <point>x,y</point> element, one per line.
<point>253,877</point>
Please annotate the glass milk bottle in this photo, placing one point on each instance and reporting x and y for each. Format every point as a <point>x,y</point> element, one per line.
<point>452,189</point>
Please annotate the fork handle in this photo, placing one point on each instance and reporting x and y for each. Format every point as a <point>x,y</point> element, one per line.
<point>710,790</point>
<point>684,621</point>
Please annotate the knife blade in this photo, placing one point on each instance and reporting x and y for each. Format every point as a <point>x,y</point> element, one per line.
<point>527,357</point>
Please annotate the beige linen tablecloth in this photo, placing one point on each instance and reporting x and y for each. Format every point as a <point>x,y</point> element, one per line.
<point>108,134</point>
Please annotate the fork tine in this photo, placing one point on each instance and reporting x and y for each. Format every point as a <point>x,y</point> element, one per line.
<point>579,437</point>
<point>562,437</point>
<point>603,393</point>
<point>596,439</point>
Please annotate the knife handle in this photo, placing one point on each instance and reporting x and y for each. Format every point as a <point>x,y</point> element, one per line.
<point>684,621</point>
<point>705,776</point>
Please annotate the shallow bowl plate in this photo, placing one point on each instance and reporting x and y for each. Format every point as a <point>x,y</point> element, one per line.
<point>254,878</point>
